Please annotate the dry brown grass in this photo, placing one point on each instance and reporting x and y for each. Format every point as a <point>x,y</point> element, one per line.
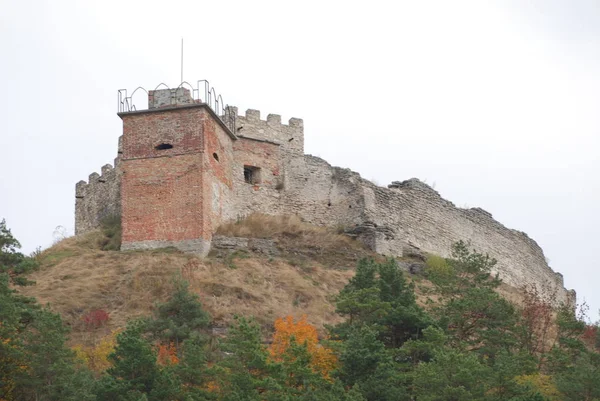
<point>265,226</point>
<point>301,242</point>
<point>76,277</point>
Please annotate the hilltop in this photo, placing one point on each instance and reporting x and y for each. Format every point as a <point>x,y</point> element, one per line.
<point>262,266</point>
<point>285,278</point>
<point>308,266</point>
<point>184,167</point>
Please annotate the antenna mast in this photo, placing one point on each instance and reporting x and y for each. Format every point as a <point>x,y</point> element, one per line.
<point>181,60</point>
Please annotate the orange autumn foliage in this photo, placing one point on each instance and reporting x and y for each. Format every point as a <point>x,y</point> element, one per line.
<point>211,386</point>
<point>323,360</point>
<point>167,355</point>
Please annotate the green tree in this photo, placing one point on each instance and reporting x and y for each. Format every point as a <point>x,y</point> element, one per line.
<point>180,318</point>
<point>580,380</point>
<point>193,371</point>
<point>12,262</point>
<point>243,373</point>
<point>452,375</point>
<point>474,315</point>
<point>35,363</point>
<point>381,316</point>
<point>379,296</point>
<point>367,364</point>
<point>135,372</point>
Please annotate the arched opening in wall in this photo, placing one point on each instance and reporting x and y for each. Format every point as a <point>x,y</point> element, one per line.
<point>163,146</point>
<point>251,175</point>
<point>216,156</point>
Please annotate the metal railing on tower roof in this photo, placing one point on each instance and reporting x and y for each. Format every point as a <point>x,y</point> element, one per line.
<point>127,103</point>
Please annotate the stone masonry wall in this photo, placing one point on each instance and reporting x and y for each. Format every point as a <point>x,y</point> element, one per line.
<point>265,194</point>
<point>169,97</point>
<point>188,196</point>
<point>322,194</point>
<point>290,137</point>
<point>98,198</point>
<point>412,214</point>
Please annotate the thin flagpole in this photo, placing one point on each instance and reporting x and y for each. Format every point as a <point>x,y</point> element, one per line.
<point>181,60</point>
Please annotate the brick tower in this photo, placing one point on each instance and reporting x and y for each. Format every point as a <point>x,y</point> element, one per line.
<point>176,173</point>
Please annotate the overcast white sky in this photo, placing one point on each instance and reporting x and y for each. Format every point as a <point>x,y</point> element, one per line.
<point>496,103</point>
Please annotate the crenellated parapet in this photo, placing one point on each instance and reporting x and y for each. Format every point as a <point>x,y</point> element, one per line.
<point>97,198</point>
<point>187,165</point>
<point>290,136</point>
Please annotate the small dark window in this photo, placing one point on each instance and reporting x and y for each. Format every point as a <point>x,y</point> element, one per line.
<point>252,175</point>
<point>216,156</point>
<point>163,146</point>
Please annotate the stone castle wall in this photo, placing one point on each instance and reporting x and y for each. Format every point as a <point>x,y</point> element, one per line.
<point>406,216</point>
<point>289,136</point>
<point>98,198</point>
<point>411,214</point>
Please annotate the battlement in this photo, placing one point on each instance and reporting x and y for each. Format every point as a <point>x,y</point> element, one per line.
<point>97,198</point>
<point>108,173</point>
<point>188,163</point>
<point>290,136</point>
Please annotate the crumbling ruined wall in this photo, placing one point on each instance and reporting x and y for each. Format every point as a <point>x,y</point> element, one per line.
<point>99,197</point>
<point>413,215</point>
<point>406,216</point>
<point>322,194</point>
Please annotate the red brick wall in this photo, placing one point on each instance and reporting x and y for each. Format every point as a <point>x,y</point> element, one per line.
<point>162,196</point>
<point>217,142</point>
<point>218,179</point>
<point>182,128</point>
<point>162,199</point>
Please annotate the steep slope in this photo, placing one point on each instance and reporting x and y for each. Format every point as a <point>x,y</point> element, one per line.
<point>263,266</point>
<point>298,276</point>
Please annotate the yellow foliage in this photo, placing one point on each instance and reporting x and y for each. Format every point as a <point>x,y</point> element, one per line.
<point>437,263</point>
<point>322,359</point>
<point>438,266</point>
<point>96,357</point>
<point>542,384</point>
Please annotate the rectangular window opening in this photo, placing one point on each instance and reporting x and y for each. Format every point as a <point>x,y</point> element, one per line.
<point>251,175</point>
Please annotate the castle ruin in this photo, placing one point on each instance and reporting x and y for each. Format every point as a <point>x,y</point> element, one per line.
<point>185,166</point>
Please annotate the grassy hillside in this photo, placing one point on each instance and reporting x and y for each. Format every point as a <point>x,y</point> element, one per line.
<point>76,276</point>
<point>312,264</point>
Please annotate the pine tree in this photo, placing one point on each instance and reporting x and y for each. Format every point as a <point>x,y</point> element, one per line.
<point>367,364</point>
<point>34,360</point>
<point>243,374</point>
<point>180,318</point>
<point>135,371</point>
<point>12,262</point>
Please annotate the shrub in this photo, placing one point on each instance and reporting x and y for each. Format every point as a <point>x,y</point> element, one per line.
<point>111,228</point>
<point>95,318</point>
